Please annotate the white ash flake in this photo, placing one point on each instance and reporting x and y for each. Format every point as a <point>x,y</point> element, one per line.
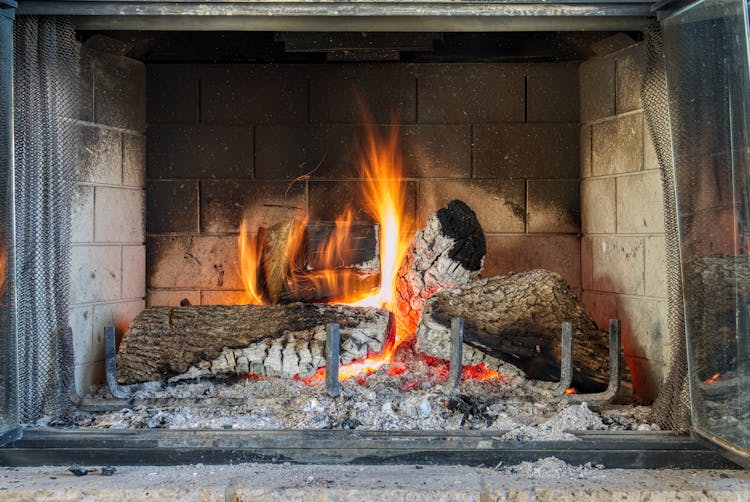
<point>411,398</point>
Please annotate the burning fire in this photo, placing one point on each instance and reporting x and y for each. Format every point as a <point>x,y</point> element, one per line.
<point>384,196</point>
<point>714,378</point>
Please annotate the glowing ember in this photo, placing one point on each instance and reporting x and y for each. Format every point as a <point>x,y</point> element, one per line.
<point>571,390</point>
<point>714,378</point>
<point>479,372</point>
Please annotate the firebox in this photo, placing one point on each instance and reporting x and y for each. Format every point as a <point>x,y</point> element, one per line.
<point>162,151</point>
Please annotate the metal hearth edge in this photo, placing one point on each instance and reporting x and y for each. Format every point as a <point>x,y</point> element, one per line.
<point>625,450</point>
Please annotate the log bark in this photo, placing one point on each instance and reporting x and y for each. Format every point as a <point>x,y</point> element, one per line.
<point>517,319</point>
<point>448,252</point>
<point>274,340</point>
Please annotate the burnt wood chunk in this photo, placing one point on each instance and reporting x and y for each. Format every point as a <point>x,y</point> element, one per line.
<point>448,252</point>
<point>273,340</point>
<point>517,319</point>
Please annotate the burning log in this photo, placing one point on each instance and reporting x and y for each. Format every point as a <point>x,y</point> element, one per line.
<point>306,262</point>
<point>516,319</point>
<point>273,340</point>
<point>446,253</point>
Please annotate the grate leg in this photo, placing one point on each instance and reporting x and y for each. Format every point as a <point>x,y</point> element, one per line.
<point>333,347</point>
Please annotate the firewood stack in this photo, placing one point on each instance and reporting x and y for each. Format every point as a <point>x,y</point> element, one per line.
<point>508,319</point>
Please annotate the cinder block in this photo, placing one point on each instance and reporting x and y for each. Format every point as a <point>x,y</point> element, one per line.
<point>225,202</point>
<point>599,206</point>
<point>100,155</point>
<point>617,145</point>
<point>597,88</point>
<point>527,151</point>
<point>172,206</point>
<point>119,315</point>
<point>321,151</point>
<point>630,69</point>
<point>656,267</point>
<point>326,151</point>
<point>587,263</point>
<point>171,297</point>
<point>618,264</point>
<point>133,160</point>
<point>86,106</point>
<point>553,206</point>
<point>436,151</point>
<point>119,92</point>
<point>643,327</point>
<point>173,91</point>
<point>518,253</point>
<point>87,375</point>
<point>585,151</point>
<point>81,321</point>
<point>640,204</point>
<point>82,214</point>
<point>252,94</point>
<point>387,91</point>
<point>650,160</point>
<point>647,377</point>
<point>327,199</point>
<point>95,274</point>
<point>500,204</point>
<point>119,215</point>
<point>552,93</point>
<point>471,93</point>
<point>199,152</point>
<point>193,262</point>
<point>224,297</point>
<point>133,272</point>
<point>601,306</point>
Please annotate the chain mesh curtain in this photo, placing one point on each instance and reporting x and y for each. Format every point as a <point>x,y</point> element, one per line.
<point>671,410</point>
<point>46,90</point>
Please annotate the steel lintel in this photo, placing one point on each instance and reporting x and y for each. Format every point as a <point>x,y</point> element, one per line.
<point>357,15</point>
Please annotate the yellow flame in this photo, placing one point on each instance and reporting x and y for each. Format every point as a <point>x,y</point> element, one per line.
<point>249,263</point>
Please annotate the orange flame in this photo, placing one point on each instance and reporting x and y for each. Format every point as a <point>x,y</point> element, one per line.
<point>249,264</point>
<point>570,390</point>
<point>714,378</point>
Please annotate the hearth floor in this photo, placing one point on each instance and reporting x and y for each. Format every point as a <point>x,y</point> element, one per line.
<point>548,479</point>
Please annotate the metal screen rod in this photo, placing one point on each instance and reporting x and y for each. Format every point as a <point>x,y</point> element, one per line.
<point>457,355</point>
<point>333,347</point>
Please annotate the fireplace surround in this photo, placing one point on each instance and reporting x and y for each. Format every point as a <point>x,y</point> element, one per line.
<point>544,137</point>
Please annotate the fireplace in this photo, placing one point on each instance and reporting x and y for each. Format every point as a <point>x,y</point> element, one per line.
<point>543,133</point>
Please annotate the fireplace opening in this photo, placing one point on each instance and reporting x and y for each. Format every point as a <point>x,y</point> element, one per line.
<point>540,135</point>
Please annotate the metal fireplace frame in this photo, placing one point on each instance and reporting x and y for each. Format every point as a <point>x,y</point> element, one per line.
<point>614,450</point>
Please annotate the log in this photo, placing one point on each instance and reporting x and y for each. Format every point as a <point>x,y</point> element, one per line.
<point>448,252</point>
<point>517,319</point>
<point>272,340</point>
<point>292,269</point>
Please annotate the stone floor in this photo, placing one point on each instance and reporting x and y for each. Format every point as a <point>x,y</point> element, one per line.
<point>545,480</point>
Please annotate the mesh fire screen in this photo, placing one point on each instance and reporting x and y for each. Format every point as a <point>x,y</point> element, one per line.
<point>672,406</point>
<point>46,83</point>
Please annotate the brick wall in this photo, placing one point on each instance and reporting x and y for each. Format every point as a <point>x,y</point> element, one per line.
<point>108,257</point>
<point>502,137</point>
<point>622,248</point>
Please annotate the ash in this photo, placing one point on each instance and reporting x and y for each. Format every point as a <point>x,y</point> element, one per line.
<point>553,467</point>
<point>407,395</point>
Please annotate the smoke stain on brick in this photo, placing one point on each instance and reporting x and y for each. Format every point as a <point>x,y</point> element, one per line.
<point>518,210</point>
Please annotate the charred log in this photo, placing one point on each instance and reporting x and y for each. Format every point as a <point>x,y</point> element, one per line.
<point>448,252</point>
<point>516,319</point>
<point>291,265</point>
<point>273,340</point>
